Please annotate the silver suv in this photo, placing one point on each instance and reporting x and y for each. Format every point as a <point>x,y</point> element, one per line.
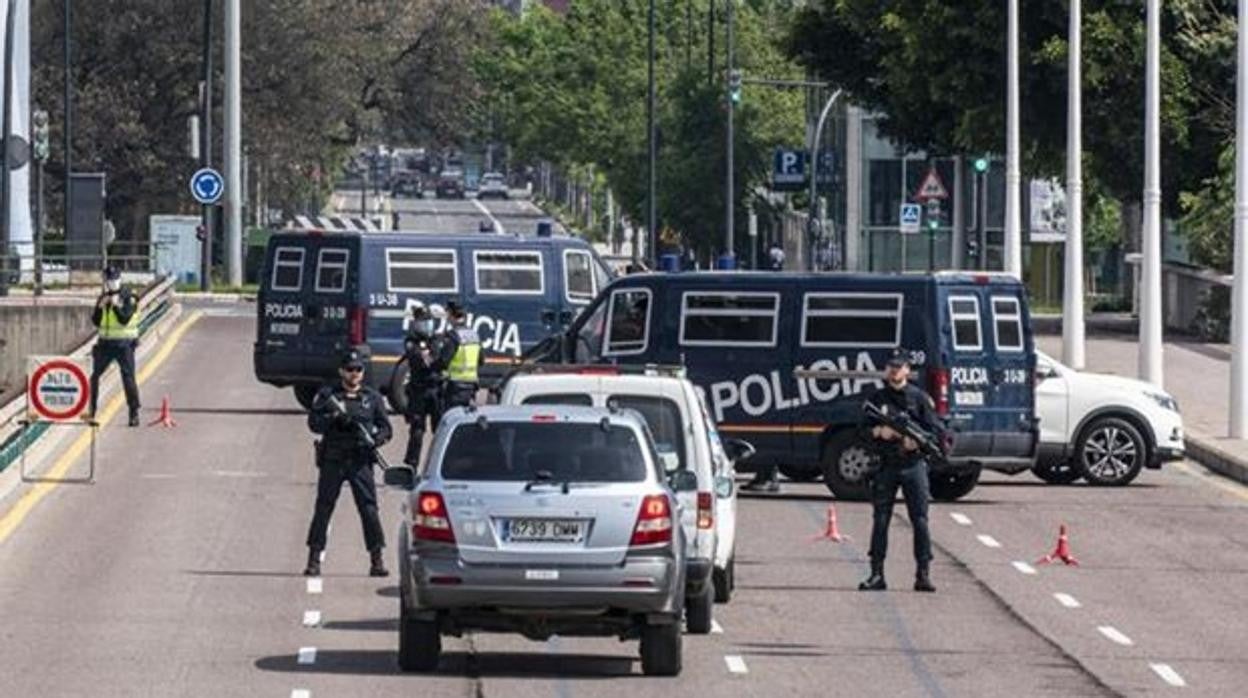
<point>542,521</point>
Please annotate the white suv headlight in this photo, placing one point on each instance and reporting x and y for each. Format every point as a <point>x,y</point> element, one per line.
<point>1164,401</point>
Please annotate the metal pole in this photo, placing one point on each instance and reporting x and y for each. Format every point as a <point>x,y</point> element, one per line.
<point>729,186</point>
<point>69,124</point>
<point>710,43</point>
<point>1239,293</point>
<point>817,136</point>
<point>7,126</point>
<point>205,149</point>
<point>1072,305</point>
<point>1150,311</point>
<point>982,232</point>
<point>233,145</point>
<point>1013,174</point>
<point>38,172</point>
<point>652,216</point>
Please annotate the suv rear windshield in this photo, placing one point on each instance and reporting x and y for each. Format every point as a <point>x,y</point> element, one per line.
<point>569,452</point>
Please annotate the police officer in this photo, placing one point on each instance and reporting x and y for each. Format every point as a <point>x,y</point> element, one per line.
<point>427,356</point>
<point>351,419</point>
<point>466,357</point>
<point>901,465</point>
<point>116,315</point>
<point>766,479</point>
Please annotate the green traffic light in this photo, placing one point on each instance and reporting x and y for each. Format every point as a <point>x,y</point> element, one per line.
<point>933,224</point>
<point>981,165</point>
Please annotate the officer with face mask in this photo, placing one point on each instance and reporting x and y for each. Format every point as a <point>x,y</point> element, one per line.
<point>116,316</point>
<point>463,380</point>
<point>427,356</point>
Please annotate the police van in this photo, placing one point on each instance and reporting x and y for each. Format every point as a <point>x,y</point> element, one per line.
<point>324,292</point>
<point>749,341</point>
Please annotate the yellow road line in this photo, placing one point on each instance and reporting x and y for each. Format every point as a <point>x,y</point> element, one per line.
<point>14,517</point>
<point>1227,486</point>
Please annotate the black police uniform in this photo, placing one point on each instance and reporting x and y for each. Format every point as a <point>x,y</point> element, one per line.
<point>108,350</point>
<point>426,378</point>
<point>343,455</point>
<point>903,469</point>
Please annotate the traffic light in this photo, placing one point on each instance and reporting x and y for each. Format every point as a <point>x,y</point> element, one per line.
<point>39,134</point>
<point>981,165</point>
<point>734,86</point>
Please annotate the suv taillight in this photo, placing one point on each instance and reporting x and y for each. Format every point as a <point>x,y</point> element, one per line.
<point>357,334</point>
<point>654,521</point>
<point>938,388</point>
<point>432,522</point>
<point>706,510</point>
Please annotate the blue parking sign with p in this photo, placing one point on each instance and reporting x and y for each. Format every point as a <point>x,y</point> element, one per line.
<point>207,186</point>
<point>788,170</point>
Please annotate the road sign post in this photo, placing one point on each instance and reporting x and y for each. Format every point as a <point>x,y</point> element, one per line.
<point>57,394</point>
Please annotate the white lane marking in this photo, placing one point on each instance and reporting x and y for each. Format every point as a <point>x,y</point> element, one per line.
<point>158,476</point>
<point>315,585</point>
<point>311,619</point>
<point>736,664</point>
<point>960,518</point>
<point>1115,635</point>
<point>1023,567</point>
<point>301,693</point>
<point>498,227</point>
<point>307,655</point>
<point>988,540</point>
<point>236,473</point>
<point>1067,600</point>
<point>716,628</point>
<point>1169,675</point>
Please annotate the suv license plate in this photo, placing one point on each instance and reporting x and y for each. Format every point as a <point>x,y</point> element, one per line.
<point>545,531</point>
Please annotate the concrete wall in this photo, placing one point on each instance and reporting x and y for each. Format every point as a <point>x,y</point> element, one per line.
<point>52,327</point>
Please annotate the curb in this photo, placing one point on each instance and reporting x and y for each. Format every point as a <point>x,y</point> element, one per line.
<point>1209,452</point>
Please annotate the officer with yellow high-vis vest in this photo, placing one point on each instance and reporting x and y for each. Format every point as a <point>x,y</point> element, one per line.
<point>462,380</point>
<point>116,316</point>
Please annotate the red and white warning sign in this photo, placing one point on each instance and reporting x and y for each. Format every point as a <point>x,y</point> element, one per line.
<point>57,389</point>
<point>932,187</point>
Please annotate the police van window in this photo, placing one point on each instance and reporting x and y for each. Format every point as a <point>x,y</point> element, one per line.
<point>578,276</point>
<point>574,399</point>
<point>421,270</point>
<point>331,270</point>
<point>729,319</point>
<point>288,269</point>
<point>964,313</point>
<point>851,319</point>
<point>508,272</point>
<point>628,322</point>
<point>1008,321</point>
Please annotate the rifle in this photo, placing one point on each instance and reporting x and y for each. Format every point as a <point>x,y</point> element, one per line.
<point>900,422</point>
<point>365,436</point>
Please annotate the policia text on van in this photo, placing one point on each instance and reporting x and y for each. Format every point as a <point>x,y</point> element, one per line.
<point>743,336</point>
<point>322,293</point>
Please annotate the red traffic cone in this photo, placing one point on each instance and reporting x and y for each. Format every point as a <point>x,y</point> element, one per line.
<point>1061,552</point>
<point>166,415</point>
<point>831,531</point>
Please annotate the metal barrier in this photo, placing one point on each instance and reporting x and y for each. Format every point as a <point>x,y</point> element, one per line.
<point>69,270</point>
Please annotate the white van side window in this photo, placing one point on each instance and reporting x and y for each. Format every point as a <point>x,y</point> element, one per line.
<point>964,314</point>
<point>287,269</point>
<point>628,322</point>
<point>578,276</point>
<point>509,272</point>
<point>728,319</point>
<point>851,319</point>
<point>415,269</point>
<point>331,270</point>
<point>1008,323</point>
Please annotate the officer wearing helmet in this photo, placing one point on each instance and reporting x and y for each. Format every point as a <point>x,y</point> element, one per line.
<point>427,356</point>
<point>463,380</point>
<point>116,316</point>
<point>351,419</point>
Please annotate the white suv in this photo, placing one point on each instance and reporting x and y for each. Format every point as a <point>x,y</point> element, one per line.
<point>681,427</point>
<point>1101,428</point>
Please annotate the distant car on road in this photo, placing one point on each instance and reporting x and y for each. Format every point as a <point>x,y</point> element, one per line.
<point>406,184</point>
<point>450,184</point>
<point>542,521</point>
<point>493,186</point>
<point>1101,428</point>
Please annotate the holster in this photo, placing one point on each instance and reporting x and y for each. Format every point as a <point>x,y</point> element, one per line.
<point>318,451</point>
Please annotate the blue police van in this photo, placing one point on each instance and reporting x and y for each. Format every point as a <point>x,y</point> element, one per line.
<point>323,292</point>
<point>749,339</point>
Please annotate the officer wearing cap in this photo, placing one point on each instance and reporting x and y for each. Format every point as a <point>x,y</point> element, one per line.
<point>116,316</point>
<point>351,419</point>
<point>901,465</point>
<point>463,380</point>
<point>427,356</point>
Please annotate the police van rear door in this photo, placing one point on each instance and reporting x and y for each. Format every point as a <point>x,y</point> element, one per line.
<point>334,319</point>
<point>279,327</point>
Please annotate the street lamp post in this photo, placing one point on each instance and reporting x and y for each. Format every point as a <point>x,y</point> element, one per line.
<point>1013,173</point>
<point>1239,297</point>
<point>814,180</point>
<point>729,185</point>
<point>233,144</point>
<point>1072,304</point>
<point>652,215</point>
<point>205,149</point>
<point>1150,298</point>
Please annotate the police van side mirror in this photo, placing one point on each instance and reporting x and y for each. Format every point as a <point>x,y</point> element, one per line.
<point>401,476</point>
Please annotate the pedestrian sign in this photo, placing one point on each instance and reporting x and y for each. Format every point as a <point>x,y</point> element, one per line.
<point>911,214</point>
<point>932,187</point>
<point>207,186</point>
<point>57,389</point>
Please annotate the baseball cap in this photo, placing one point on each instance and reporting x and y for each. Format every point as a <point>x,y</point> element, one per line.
<point>899,357</point>
<point>111,273</point>
<point>352,359</point>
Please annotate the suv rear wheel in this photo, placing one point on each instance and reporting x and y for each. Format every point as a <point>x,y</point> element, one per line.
<point>1110,452</point>
<point>420,645</point>
<point>661,650</point>
<point>699,609</point>
<point>948,486</point>
<point>800,473</point>
<point>846,462</point>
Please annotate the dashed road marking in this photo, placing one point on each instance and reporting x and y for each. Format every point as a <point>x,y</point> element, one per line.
<point>158,476</point>
<point>1067,600</point>
<point>960,518</point>
<point>301,693</point>
<point>315,585</point>
<point>307,655</point>
<point>1024,567</point>
<point>716,628</point>
<point>736,664</point>
<point>988,540</point>
<point>1115,635</point>
<point>1168,674</point>
<point>236,473</point>
<point>311,619</point>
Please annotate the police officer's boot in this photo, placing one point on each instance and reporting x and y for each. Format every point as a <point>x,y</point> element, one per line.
<point>923,580</point>
<point>766,479</point>
<point>377,568</point>
<point>876,581</point>
<point>314,563</point>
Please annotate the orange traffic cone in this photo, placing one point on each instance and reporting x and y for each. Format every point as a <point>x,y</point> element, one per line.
<point>166,415</point>
<point>831,531</point>
<point>1062,552</point>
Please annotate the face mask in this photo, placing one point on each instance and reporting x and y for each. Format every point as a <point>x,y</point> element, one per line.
<point>113,285</point>
<point>424,327</point>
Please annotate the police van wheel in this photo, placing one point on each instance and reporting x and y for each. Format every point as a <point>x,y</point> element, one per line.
<point>846,462</point>
<point>949,486</point>
<point>398,388</point>
<point>420,645</point>
<point>305,393</point>
<point>800,474</point>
